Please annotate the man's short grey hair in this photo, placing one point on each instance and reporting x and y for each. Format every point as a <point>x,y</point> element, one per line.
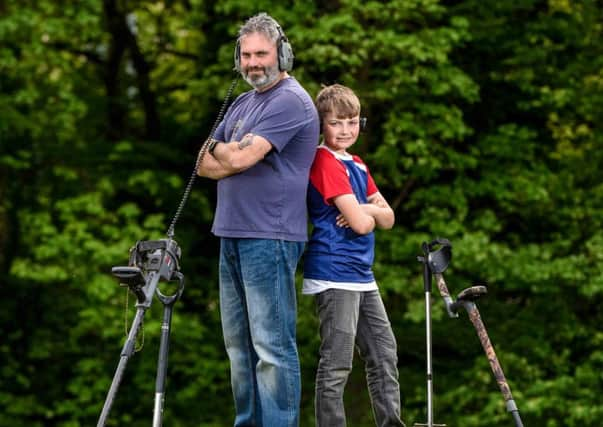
<point>261,23</point>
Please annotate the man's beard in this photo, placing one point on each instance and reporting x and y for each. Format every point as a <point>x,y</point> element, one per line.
<point>260,81</point>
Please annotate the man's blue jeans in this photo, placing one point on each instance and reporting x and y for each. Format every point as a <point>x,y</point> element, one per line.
<point>258,310</point>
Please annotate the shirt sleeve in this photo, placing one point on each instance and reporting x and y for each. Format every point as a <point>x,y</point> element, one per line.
<point>371,186</point>
<point>282,119</point>
<point>219,132</point>
<point>329,177</point>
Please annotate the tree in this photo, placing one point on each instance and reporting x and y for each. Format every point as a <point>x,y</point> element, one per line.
<point>482,128</point>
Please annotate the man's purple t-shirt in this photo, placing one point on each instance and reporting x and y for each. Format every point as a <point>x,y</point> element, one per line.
<point>268,200</point>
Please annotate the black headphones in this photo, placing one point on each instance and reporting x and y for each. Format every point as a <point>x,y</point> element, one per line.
<point>283,49</point>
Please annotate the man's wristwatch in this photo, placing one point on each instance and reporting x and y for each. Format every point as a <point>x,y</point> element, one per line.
<point>212,145</point>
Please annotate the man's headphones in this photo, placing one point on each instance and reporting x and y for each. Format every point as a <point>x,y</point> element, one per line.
<point>283,49</point>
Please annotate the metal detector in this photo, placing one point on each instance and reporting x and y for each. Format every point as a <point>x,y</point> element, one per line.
<point>433,262</point>
<point>436,260</point>
<point>151,262</point>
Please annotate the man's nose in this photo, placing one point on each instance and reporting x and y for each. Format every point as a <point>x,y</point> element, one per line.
<point>253,61</point>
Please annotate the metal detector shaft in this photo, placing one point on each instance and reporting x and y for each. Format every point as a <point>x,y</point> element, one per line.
<point>162,367</point>
<point>428,344</point>
<point>427,281</point>
<point>480,328</point>
<point>162,361</point>
<point>127,350</point>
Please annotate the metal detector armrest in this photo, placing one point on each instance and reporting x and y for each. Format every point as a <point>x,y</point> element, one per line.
<point>468,296</point>
<point>130,276</point>
<point>471,294</point>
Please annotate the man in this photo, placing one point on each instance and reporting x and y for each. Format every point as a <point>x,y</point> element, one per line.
<point>261,156</point>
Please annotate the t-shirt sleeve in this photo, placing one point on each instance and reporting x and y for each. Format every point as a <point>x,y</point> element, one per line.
<point>329,177</point>
<point>282,119</point>
<point>371,187</point>
<point>219,133</point>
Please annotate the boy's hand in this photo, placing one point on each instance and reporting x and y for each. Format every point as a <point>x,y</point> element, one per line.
<point>341,221</point>
<point>366,207</point>
<point>378,201</point>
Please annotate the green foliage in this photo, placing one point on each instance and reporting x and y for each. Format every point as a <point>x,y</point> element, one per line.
<point>483,127</point>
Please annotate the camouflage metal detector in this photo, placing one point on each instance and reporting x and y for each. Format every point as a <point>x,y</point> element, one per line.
<point>437,261</point>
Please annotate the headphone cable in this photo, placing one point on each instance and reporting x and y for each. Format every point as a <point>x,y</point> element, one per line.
<point>202,152</point>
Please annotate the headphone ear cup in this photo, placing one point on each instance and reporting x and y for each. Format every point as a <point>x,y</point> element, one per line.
<point>284,51</point>
<point>285,54</point>
<point>237,57</point>
<point>362,124</point>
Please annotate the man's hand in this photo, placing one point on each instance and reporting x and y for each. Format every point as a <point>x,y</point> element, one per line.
<point>234,157</point>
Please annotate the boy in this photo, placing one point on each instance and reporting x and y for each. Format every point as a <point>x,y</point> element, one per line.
<point>345,206</point>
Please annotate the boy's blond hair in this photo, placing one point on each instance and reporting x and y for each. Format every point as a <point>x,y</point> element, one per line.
<point>339,100</point>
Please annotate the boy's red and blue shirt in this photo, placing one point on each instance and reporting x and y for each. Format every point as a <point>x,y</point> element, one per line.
<point>338,254</point>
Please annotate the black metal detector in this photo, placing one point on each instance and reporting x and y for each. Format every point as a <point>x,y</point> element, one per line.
<point>433,262</point>
<point>437,261</point>
<point>151,262</point>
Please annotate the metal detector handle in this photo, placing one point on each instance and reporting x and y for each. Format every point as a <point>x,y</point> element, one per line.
<point>171,299</point>
<point>162,362</point>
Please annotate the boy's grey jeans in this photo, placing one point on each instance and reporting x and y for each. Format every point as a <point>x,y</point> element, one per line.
<point>348,318</point>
